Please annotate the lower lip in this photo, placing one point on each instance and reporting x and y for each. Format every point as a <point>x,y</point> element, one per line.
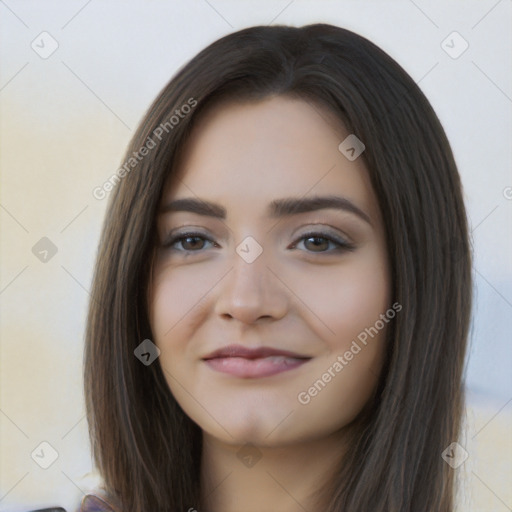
<point>242,367</point>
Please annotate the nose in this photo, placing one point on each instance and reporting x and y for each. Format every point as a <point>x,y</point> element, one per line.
<point>252,291</point>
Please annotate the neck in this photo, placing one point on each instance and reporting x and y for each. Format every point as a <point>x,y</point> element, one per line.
<point>255,478</point>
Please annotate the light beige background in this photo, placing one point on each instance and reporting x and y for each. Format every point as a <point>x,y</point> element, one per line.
<point>65,122</point>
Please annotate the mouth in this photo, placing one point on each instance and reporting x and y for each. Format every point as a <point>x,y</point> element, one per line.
<point>245,362</point>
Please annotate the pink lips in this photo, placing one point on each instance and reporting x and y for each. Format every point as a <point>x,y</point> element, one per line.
<point>260,362</point>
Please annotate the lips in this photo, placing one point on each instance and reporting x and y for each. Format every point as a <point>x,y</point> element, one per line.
<point>252,353</point>
<point>245,362</point>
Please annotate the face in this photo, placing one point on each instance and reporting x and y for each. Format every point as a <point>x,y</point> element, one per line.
<point>311,282</point>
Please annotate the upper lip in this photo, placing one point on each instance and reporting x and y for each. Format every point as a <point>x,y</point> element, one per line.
<point>252,353</point>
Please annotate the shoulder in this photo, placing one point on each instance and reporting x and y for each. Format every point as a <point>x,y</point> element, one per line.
<point>97,503</point>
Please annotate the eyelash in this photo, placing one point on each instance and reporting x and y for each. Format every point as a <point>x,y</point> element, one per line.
<point>343,245</point>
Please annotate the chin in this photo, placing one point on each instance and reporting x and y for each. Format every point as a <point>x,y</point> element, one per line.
<point>253,427</point>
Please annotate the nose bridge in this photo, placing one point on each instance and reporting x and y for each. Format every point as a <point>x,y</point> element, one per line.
<point>250,290</point>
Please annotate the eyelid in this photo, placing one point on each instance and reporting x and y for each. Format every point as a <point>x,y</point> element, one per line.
<point>184,230</point>
<point>174,235</point>
<point>191,229</point>
<point>325,229</point>
<point>343,242</point>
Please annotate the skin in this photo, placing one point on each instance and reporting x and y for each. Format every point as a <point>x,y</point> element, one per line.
<point>310,299</point>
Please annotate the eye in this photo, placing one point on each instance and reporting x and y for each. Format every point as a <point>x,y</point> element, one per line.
<point>190,239</point>
<point>318,240</point>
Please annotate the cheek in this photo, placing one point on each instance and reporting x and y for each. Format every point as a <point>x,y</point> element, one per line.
<point>179,305</point>
<point>170,306</point>
<point>164,310</point>
<point>175,301</point>
<point>351,303</point>
<point>346,299</point>
<point>343,381</point>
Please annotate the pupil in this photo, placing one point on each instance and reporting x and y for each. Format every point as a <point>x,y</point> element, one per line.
<point>318,241</point>
<point>191,238</point>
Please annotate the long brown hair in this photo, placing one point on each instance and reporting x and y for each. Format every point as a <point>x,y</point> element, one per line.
<point>145,447</point>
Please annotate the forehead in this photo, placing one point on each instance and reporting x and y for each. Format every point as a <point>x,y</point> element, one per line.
<point>248,153</point>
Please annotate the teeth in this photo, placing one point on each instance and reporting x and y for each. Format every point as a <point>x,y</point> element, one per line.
<point>280,359</point>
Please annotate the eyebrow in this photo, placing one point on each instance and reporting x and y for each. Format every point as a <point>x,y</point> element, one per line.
<point>277,208</point>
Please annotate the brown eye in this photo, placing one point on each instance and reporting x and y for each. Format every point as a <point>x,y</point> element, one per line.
<point>319,243</point>
<point>190,242</point>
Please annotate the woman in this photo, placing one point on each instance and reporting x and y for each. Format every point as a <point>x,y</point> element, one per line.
<point>282,295</point>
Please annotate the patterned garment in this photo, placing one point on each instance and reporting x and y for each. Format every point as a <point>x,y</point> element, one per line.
<point>96,503</point>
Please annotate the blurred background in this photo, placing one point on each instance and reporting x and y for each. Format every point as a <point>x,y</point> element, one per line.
<point>76,78</point>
